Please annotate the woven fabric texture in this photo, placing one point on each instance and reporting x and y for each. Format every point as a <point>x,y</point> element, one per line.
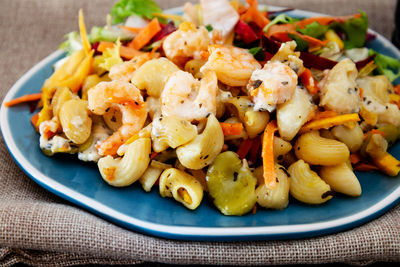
<point>41,229</point>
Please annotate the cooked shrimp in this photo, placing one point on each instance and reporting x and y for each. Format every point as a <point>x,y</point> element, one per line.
<point>232,65</point>
<point>186,43</point>
<point>124,71</point>
<point>188,98</point>
<point>273,84</point>
<point>129,100</point>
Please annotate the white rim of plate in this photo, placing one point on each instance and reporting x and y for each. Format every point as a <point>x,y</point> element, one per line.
<point>179,230</point>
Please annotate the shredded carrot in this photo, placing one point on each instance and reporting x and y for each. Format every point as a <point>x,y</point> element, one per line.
<point>326,123</point>
<point>34,120</point>
<point>373,131</point>
<point>324,114</point>
<point>124,51</point>
<point>309,81</point>
<point>85,41</point>
<point>145,35</point>
<point>281,33</point>
<point>131,29</point>
<point>365,167</point>
<point>267,154</point>
<point>23,99</point>
<point>360,91</point>
<point>355,158</point>
<point>254,209</point>
<point>324,20</point>
<point>396,89</point>
<point>253,14</point>
<point>153,155</point>
<point>245,148</point>
<point>231,128</point>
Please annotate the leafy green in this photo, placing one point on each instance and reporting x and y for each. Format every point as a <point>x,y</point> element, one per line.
<point>355,30</point>
<point>98,34</point>
<point>257,52</point>
<point>314,29</point>
<point>282,18</point>
<point>72,44</point>
<point>209,27</point>
<point>109,58</point>
<point>126,8</point>
<point>386,65</point>
<point>301,45</point>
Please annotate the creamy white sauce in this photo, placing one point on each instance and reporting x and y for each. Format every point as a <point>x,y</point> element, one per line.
<point>100,133</point>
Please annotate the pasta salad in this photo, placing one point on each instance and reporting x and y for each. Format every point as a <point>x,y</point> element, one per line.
<point>229,99</point>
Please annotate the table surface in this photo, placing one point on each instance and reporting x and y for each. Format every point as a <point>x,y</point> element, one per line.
<point>38,228</point>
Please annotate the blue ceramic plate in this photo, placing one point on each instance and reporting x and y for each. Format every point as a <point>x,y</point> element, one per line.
<point>131,207</point>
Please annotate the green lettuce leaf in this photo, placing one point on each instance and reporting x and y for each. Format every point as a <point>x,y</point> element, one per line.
<point>282,18</point>
<point>257,52</point>
<point>126,8</point>
<point>98,34</point>
<point>72,44</point>
<point>314,29</point>
<point>386,65</point>
<point>355,30</point>
<point>301,45</point>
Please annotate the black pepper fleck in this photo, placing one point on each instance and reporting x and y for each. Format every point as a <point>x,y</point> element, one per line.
<point>235,175</point>
<point>257,83</point>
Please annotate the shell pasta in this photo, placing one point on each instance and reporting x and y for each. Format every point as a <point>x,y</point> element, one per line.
<point>221,102</point>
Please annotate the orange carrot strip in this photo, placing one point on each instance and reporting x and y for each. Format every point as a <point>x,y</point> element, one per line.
<point>267,154</point>
<point>245,148</point>
<point>376,131</point>
<point>354,158</point>
<point>253,14</point>
<point>360,92</point>
<point>124,51</point>
<point>153,155</point>
<point>103,46</point>
<point>281,31</point>
<point>396,89</point>
<point>131,29</point>
<point>23,99</point>
<point>373,131</point>
<point>129,53</point>
<point>231,128</point>
<point>145,35</point>
<point>309,81</point>
<point>324,114</point>
<point>324,20</point>
<point>34,120</point>
<point>365,167</point>
<point>254,209</point>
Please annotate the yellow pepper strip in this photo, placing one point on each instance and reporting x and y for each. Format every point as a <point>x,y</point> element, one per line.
<point>331,36</point>
<point>185,195</point>
<point>369,117</point>
<point>388,164</point>
<point>82,28</point>
<point>75,81</point>
<point>394,98</point>
<point>168,16</point>
<point>64,76</point>
<point>65,71</point>
<point>326,123</point>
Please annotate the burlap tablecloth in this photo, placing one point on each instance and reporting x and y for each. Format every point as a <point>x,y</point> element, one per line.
<point>39,228</point>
